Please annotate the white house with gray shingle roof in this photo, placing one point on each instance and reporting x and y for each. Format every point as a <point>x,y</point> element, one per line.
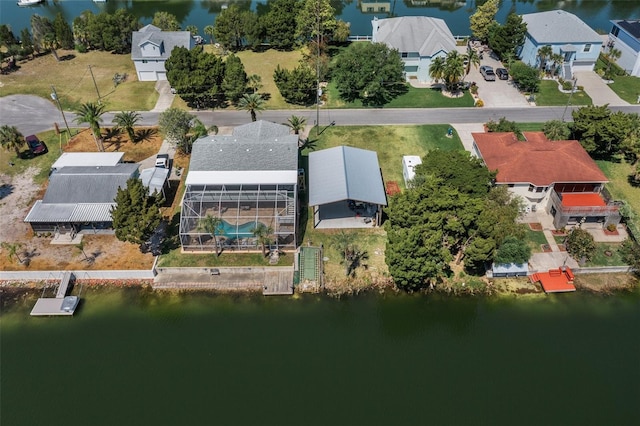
<point>418,39</point>
<point>625,36</point>
<point>567,35</point>
<point>80,198</point>
<point>246,179</point>
<point>151,47</point>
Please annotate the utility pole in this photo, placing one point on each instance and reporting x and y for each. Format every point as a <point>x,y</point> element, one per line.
<point>573,89</point>
<point>54,96</point>
<point>94,84</point>
<point>318,69</point>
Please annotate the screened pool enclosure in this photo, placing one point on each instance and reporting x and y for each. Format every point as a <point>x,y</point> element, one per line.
<point>241,209</point>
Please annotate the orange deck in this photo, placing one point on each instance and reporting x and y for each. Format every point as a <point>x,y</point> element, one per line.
<point>582,200</point>
<point>555,281</point>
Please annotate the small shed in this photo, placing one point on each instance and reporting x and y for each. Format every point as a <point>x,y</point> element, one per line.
<point>499,270</point>
<point>409,163</point>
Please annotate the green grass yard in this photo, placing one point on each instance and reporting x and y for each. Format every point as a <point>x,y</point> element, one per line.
<point>42,163</point>
<point>620,188</point>
<point>601,259</point>
<point>627,88</point>
<point>176,259</point>
<point>549,95</point>
<point>535,239</point>
<point>391,143</point>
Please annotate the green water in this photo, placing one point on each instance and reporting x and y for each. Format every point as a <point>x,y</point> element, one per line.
<point>133,357</point>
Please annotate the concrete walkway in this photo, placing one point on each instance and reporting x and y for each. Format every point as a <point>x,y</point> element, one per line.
<point>465,130</point>
<point>166,97</point>
<point>597,89</point>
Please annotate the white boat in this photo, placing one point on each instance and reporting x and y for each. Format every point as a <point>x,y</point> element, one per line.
<point>28,2</point>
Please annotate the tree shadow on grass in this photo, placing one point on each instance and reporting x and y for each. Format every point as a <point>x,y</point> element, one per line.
<point>144,135</point>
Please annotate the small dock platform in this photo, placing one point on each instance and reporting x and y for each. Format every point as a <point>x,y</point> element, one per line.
<point>556,280</point>
<point>278,283</point>
<point>59,305</point>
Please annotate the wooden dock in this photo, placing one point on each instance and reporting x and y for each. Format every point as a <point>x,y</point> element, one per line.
<point>61,304</point>
<point>278,283</point>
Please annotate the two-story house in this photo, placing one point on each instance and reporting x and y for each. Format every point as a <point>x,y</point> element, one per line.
<point>419,39</point>
<point>567,35</point>
<point>625,36</point>
<point>151,47</point>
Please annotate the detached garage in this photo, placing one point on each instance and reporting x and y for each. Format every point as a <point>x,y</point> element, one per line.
<point>345,188</point>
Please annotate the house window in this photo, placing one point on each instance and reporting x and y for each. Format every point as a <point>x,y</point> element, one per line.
<point>411,68</point>
<point>531,188</point>
<point>539,188</point>
<point>404,55</point>
<point>615,31</point>
<point>511,185</point>
<point>369,9</point>
<point>587,47</point>
<point>144,61</point>
<point>383,9</point>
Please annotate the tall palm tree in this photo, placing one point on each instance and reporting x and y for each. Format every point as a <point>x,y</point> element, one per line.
<point>557,59</point>
<point>127,120</point>
<point>296,123</point>
<point>472,58</point>
<point>263,234</point>
<point>544,53</point>
<point>212,225</point>
<point>436,69</point>
<point>251,102</point>
<point>209,30</point>
<point>11,138</point>
<point>91,114</point>
<point>453,70</point>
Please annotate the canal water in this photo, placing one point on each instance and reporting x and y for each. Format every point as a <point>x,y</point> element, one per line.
<point>596,13</point>
<point>137,357</point>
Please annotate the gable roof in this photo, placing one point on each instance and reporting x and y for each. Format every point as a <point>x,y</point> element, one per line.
<point>100,184</point>
<point>153,34</point>
<point>558,26</point>
<point>422,34</point>
<point>630,27</point>
<point>269,149</point>
<point>537,160</point>
<point>345,173</point>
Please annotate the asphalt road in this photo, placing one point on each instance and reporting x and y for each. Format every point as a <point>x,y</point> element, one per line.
<point>31,114</point>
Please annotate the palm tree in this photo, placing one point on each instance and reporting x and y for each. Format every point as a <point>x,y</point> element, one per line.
<point>296,123</point>
<point>436,69</point>
<point>613,55</point>
<point>212,225</point>
<point>254,82</point>
<point>12,250</point>
<point>307,143</point>
<point>557,59</point>
<point>11,138</point>
<point>544,53</point>
<point>263,234</point>
<point>209,30</point>
<point>251,102</point>
<point>453,70</point>
<point>343,242</point>
<point>91,114</point>
<point>472,58</point>
<point>192,29</point>
<point>127,120</point>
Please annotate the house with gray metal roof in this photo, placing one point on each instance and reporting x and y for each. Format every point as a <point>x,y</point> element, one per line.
<point>418,39</point>
<point>151,47</point>
<point>80,198</point>
<point>246,180</point>
<point>345,188</point>
<point>625,36</point>
<point>577,43</point>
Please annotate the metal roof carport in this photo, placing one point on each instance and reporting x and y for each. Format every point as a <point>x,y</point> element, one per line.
<point>340,175</point>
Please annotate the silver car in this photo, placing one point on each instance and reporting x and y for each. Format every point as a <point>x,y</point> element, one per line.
<point>487,73</point>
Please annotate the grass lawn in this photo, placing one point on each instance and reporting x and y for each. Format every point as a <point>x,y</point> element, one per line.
<point>264,64</point>
<point>73,82</point>
<point>530,127</point>
<point>627,87</point>
<point>600,259</point>
<point>414,98</point>
<point>535,239</point>
<point>619,186</point>
<point>391,143</point>
<point>549,95</point>
<point>41,162</point>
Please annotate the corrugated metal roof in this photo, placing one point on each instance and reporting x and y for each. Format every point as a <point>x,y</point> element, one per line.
<point>72,185</point>
<point>253,147</point>
<point>153,34</point>
<point>345,173</point>
<point>79,159</point>
<point>558,26</point>
<point>43,212</point>
<point>422,34</point>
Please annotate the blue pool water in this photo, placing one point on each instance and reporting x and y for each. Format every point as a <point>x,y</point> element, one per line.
<point>241,231</point>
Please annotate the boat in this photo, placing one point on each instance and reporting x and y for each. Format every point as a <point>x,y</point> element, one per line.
<point>29,2</point>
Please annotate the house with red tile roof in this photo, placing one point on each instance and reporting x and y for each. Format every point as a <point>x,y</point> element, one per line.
<point>556,176</point>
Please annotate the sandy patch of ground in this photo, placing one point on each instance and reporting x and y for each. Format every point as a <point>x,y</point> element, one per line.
<point>17,195</point>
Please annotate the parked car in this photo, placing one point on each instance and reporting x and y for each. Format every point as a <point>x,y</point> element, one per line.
<point>502,73</point>
<point>36,146</point>
<point>487,73</point>
<point>162,161</point>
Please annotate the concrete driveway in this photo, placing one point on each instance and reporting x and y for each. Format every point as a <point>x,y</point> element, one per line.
<point>597,89</point>
<point>499,93</point>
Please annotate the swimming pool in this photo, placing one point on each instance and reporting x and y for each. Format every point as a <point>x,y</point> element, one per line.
<point>241,231</point>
